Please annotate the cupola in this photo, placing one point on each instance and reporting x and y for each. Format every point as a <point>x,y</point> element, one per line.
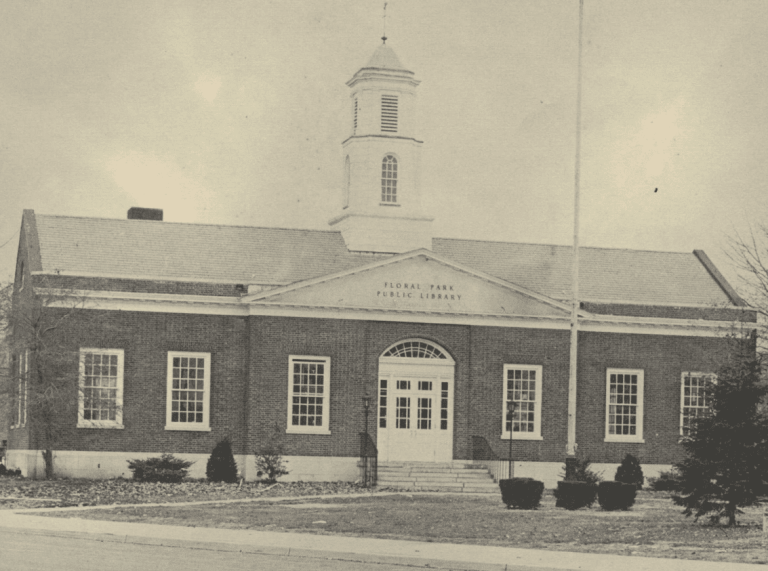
<point>381,208</point>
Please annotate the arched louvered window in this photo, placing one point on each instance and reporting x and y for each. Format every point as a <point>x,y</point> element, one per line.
<point>345,198</point>
<point>389,179</point>
<point>415,349</point>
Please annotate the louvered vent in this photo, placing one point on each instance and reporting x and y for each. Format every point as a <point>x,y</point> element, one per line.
<point>389,113</point>
<point>354,119</point>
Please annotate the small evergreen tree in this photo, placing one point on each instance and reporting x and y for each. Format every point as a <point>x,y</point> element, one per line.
<point>269,457</point>
<point>221,465</point>
<point>630,472</point>
<point>728,449</point>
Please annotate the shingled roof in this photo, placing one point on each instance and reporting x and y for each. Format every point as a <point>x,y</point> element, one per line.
<point>246,255</point>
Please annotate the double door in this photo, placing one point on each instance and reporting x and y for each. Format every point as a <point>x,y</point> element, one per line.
<point>415,415</point>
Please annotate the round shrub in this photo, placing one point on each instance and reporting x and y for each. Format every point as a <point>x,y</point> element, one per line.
<point>616,495</point>
<point>166,468</point>
<point>573,495</point>
<point>521,493</point>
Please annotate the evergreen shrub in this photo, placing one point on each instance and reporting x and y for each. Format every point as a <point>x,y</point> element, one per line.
<point>630,472</point>
<point>166,468</point>
<point>616,495</point>
<point>521,493</point>
<point>666,482</point>
<point>221,465</point>
<point>269,457</point>
<point>573,495</point>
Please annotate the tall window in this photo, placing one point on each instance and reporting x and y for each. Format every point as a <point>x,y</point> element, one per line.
<point>522,385</point>
<point>100,403</point>
<point>389,113</point>
<point>624,405</point>
<point>354,118</point>
<point>694,399</point>
<point>20,368</point>
<point>308,394</point>
<point>389,179</point>
<point>189,391</point>
<point>347,181</point>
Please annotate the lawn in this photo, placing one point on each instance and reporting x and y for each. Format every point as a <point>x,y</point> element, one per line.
<point>653,527</point>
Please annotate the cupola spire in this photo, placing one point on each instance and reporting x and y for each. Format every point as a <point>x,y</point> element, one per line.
<point>384,26</point>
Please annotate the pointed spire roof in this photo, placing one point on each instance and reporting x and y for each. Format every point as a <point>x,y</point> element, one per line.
<point>385,58</point>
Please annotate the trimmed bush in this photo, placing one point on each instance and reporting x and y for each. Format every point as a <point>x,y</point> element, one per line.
<point>616,495</point>
<point>666,482</point>
<point>583,472</point>
<point>521,493</point>
<point>630,472</point>
<point>221,465</point>
<point>166,468</point>
<point>573,495</point>
<point>3,469</point>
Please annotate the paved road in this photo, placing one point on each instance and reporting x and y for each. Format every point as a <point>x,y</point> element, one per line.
<point>20,551</point>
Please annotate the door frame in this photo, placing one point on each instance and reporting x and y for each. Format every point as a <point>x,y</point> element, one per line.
<point>438,370</point>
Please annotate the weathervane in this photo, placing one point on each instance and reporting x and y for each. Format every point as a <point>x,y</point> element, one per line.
<point>384,25</point>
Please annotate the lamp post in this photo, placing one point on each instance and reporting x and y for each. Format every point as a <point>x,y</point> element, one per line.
<point>366,408</point>
<point>511,408</point>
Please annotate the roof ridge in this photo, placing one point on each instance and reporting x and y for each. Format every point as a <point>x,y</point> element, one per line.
<point>166,222</point>
<point>567,246</point>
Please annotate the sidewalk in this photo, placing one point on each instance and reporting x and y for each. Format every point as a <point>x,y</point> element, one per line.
<point>413,553</point>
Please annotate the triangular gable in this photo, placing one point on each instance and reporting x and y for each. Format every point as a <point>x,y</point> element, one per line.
<point>418,281</point>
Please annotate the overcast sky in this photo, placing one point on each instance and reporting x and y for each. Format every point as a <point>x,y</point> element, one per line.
<point>234,113</point>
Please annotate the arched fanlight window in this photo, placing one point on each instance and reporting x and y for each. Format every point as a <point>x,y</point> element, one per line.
<point>389,179</point>
<point>345,197</point>
<point>415,349</point>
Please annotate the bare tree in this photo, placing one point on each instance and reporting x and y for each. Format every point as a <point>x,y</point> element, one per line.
<point>41,327</point>
<point>750,257</point>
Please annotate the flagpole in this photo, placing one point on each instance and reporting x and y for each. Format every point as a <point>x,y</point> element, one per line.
<point>574,361</point>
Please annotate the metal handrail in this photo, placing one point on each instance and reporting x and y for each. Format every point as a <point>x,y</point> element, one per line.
<point>368,460</point>
<point>482,453</point>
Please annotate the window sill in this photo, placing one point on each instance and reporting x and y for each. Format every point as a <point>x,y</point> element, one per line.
<point>619,439</point>
<point>389,204</point>
<point>305,430</point>
<point>100,425</point>
<point>522,437</point>
<point>183,428</point>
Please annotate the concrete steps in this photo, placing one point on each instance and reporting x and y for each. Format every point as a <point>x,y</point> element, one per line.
<point>453,476</point>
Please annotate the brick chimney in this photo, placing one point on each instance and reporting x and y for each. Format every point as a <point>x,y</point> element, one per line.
<point>137,213</point>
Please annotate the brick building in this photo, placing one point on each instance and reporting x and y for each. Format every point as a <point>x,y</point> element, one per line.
<point>197,332</point>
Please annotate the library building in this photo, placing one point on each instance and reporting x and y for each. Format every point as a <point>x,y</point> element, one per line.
<point>366,346</point>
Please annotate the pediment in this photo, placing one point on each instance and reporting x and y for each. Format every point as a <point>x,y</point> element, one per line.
<point>414,282</point>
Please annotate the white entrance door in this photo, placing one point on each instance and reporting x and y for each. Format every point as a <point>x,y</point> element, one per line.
<point>415,416</point>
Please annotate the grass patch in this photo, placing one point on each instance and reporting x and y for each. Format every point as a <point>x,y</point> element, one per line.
<point>653,527</point>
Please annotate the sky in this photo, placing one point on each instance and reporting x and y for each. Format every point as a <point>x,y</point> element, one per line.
<point>234,113</point>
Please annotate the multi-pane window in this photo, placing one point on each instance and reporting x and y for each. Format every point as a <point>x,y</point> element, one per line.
<point>100,402</point>
<point>20,368</point>
<point>389,113</point>
<point>389,179</point>
<point>383,403</point>
<point>402,412</point>
<point>189,391</point>
<point>308,394</point>
<point>522,385</point>
<point>624,405</point>
<point>694,399</point>
<point>354,117</point>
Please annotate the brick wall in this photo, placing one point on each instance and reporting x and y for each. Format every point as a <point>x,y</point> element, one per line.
<point>250,374</point>
<point>146,339</point>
